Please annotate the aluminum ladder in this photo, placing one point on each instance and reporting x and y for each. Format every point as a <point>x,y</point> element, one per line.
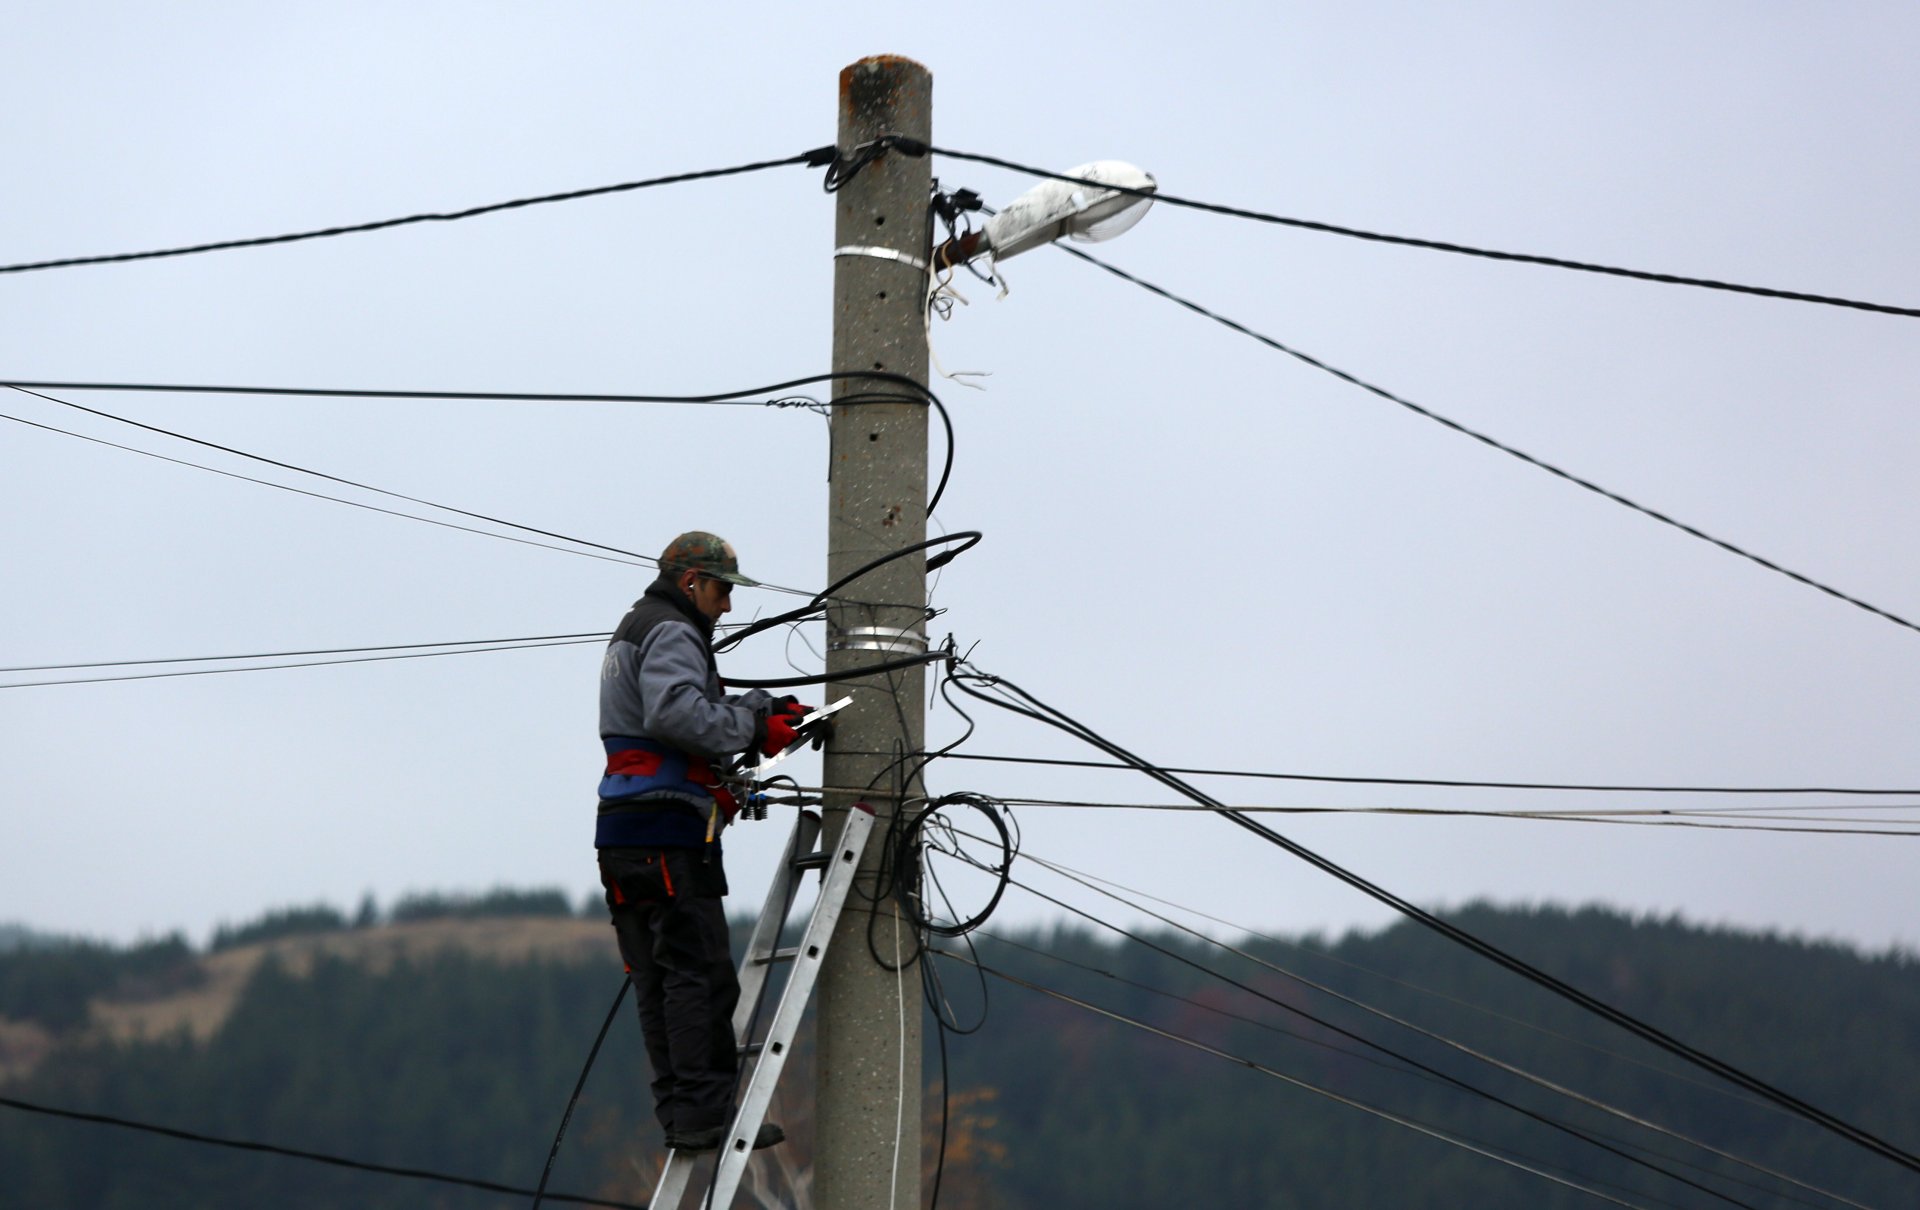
<point>837,865</point>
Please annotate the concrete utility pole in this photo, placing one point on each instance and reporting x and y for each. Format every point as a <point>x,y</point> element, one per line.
<point>867,1114</point>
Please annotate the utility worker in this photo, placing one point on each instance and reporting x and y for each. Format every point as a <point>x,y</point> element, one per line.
<point>667,727</point>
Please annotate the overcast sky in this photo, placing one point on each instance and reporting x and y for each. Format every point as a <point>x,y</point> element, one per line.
<point>1217,555</point>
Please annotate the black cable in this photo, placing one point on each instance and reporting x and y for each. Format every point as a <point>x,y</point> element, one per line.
<point>1193,1002</point>
<point>1671,819</point>
<point>815,158</point>
<point>919,393</point>
<point>719,399</point>
<point>1053,717</point>
<point>482,644</point>
<point>967,539</point>
<point>909,847</point>
<point>1417,781</point>
<point>1439,1038</point>
<point>1686,1076</point>
<point>1484,439</point>
<point>1456,1140</point>
<point>929,984</point>
<point>1202,1005</point>
<point>936,995</point>
<point>1554,262</point>
<point>554,1153</point>
<point>317,1157</point>
<point>1538,1081</point>
<point>1382,1048</point>
<point>845,674</point>
<point>946,420</point>
<point>843,168</point>
<point>367,659</point>
<point>632,561</point>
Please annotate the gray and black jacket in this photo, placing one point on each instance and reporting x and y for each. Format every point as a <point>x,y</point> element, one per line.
<point>666,724</point>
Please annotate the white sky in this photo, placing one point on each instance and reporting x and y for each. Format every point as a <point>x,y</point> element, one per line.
<point>1211,552</point>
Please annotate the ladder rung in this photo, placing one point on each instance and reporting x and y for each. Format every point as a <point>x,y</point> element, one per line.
<point>785,955</point>
<point>811,861</point>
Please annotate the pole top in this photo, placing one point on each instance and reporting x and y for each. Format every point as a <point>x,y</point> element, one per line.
<point>885,84</point>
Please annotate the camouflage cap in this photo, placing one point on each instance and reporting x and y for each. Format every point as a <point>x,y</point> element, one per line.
<point>708,554</point>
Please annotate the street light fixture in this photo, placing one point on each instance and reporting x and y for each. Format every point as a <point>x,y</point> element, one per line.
<point>1102,200</point>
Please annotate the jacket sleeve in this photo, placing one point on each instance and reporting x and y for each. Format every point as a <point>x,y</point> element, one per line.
<point>756,700</point>
<point>679,706</point>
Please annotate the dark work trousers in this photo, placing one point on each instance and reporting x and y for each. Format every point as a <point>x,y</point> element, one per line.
<point>672,929</point>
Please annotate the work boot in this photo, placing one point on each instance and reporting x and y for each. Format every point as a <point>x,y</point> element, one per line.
<point>706,1140</point>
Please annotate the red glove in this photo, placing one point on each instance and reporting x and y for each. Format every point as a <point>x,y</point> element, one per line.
<point>780,731</point>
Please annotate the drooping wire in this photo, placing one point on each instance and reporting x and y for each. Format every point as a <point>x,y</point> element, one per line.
<point>815,158</point>
<point>553,1153</point>
<point>1495,443</point>
<point>1021,702</point>
<point>1715,1087</point>
<point>632,559</point>
<point>357,655</point>
<point>1453,1139</point>
<point>1381,1014</point>
<point>739,398</point>
<point>365,659</point>
<point>1390,1052</point>
<point>1668,818</point>
<point>1204,1005</point>
<point>1428,781</point>
<point>318,1157</point>
<point>1553,262</point>
<point>962,541</point>
<point>275,655</point>
<point>930,816</point>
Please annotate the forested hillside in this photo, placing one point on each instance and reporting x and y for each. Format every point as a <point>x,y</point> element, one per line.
<point>447,1036</point>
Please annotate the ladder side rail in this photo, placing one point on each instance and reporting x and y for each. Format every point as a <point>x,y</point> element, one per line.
<point>765,937</point>
<point>678,1168</point>
<point>738,1147</point>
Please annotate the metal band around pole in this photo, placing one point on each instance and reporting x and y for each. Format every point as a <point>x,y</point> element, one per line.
<point>883,254</point>
<point>878,638</point>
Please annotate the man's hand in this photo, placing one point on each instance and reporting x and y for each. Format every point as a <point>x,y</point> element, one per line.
<point>782,727</point>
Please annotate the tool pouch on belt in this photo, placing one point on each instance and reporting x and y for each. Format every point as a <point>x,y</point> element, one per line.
<point>636,877</point>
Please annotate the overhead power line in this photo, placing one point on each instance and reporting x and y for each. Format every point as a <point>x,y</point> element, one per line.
<point>1401,1056</point>
<point>189,1136</point>
<point>1688,1076</point>
<point>1665,818</point>
<point>1200,1004</point>
<point>481,644</point>
<point>976,685</point>
<point>1526,258</point>
<point>1429,781</point>
<point>776,398</point>
<point>1484,439</point>
<point>365,659</point>
<point>628,556</point>
<point>633,559</point>
<point>1538,1081</point>
<point>816,158</point>
<point>1455,1140</point>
